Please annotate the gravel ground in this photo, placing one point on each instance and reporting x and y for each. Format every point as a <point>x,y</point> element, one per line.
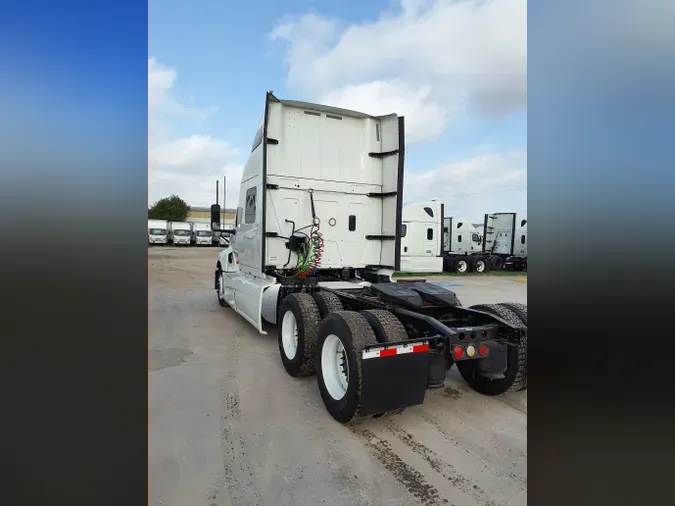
<point>228,426</point>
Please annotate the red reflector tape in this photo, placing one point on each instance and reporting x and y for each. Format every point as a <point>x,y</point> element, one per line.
<point>395,350</point>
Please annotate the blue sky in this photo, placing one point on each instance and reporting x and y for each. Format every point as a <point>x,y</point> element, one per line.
<point>456,70</point>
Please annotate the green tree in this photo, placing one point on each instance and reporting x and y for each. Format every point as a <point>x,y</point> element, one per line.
<point>171,208</point>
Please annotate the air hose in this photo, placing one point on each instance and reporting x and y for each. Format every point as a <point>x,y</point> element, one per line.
<point>309,258</point>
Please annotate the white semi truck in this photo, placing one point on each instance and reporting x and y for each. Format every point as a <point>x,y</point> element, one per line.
<point>429,247</point>
<point>316,239</point>
<point>505,241</point>
<point>158,231</point>
<point>180,232</point>
<point>202,234</point>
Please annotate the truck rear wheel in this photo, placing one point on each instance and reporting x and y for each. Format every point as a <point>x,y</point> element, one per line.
<point>462,265</point>
<point>520,310</point>
<point>449,264</point>
<point>496,263</point>
<point>328,303</point>
<point>479,265</point>
<point>386,327</point>
<point>342,336</point>
<point>515,376</point>
<point>299,323</point>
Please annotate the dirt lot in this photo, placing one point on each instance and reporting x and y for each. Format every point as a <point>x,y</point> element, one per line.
<point>228,426</point>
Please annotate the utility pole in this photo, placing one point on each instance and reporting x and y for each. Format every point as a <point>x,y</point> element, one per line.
<point>224,201</point>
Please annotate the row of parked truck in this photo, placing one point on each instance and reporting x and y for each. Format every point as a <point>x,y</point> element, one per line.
<point>432,242</point>
<point>162,232</point>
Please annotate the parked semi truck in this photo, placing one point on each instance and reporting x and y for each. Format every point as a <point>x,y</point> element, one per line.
<point>202,234</point>
<point>158,231</point>
<point>316,240</point>
<point>433,242</point>
<point>180,233</point>
<point>505,241</point>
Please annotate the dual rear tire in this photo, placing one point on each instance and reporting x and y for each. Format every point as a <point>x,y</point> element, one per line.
<point>315,334</point>
<point>472,263</point>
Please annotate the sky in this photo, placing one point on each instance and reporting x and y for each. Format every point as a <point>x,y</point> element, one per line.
<point>456,69</point>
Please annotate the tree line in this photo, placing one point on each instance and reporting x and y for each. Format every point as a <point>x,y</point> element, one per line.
<point>172,208</point>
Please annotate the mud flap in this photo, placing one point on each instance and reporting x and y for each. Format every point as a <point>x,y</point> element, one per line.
<point>391,380</point>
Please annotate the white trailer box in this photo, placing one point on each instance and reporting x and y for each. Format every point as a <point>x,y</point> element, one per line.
<point>180,233</point>
<point>158,231</point>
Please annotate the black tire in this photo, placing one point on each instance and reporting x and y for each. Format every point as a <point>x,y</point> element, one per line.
<point>222,302</point>
<point>520,310</point>
<point>458,265</point>
<point>476,262</point>
<point>449,264</point>
<point>515,376</point>
<point>328,303</point>
<point>386,327</point>
<point>496,263</point>
<point>307,320</point>
<point>353,330</point>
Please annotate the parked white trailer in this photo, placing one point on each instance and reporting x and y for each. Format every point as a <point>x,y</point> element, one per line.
<point>505,240</point>
<point>158,231</point>
<point>316,239</point>
<point>429,247</point>
<point>202,234</point>
<point>180,232</point>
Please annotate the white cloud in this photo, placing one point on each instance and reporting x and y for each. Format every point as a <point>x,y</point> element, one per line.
<point>486,182</point>
<point>161,101</point>
<point>453,55</point>
<point>425,119</point>
<point>185,166</point>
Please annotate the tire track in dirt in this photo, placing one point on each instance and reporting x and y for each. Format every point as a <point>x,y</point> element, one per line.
<point>238,478</point>
<point>489,464</point>
<point>410,478</point>
<point>442,467</point>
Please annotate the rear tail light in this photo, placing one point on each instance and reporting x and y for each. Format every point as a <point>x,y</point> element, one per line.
<point>457,352</point>
<point>483,350</point>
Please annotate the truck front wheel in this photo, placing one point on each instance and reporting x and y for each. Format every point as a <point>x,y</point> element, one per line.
<point>299,323</point>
